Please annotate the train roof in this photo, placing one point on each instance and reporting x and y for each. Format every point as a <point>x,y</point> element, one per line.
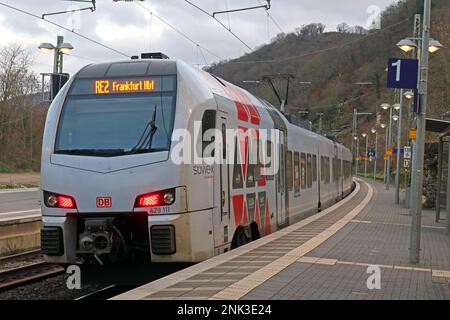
<point>129,68</point>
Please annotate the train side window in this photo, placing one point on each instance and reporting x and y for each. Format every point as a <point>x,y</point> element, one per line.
<point>314,167</point>
<point>328,169</point>
<point>208,122</point>
<point>258,166</point>
<point>224,141</point>
<point>289,181</point>
<point>303,170</point>
<point>296,173</point>
<point>269,155</point>
<point>250,166</point>
<point>309,170</point>
<point>237,170</point>
<point>322,168</point>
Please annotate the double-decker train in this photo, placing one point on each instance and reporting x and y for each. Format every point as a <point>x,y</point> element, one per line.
<point>111,190</point>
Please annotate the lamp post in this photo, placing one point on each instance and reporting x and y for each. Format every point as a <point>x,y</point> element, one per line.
<point>383,126</point>
<point>374,131</point>
<point>357,154</point>
<point>365,135</point>
<point>320,114</point>
<point>60,48</point>
<point>386,106</point>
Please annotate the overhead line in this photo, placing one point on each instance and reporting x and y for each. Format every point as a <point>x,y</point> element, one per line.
<point>64,28</point>
<point>272,18</point>
<point>178,31</point>
<point>224,26</point>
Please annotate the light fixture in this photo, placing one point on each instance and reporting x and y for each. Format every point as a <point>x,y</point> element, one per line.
<point>65,47</point>
<point>409,95</point>
<point>434,45</point>
<point>383,125</point>
<point>46,47</point>
<point>355,138</point>
<point>397,106</point>
<point>364,135</point>
<point>395,117</point>
<point>406,45</point>
<point>373,130</point>
<point>385,106</point>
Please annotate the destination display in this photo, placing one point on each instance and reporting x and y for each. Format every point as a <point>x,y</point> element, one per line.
<point>108,86</point>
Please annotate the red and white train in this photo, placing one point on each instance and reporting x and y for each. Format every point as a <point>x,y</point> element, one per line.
<point>110,190</point>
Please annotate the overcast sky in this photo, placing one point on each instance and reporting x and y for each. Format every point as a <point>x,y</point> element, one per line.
<point>127,27</point>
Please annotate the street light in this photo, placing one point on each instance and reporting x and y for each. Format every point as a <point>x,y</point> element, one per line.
<point>409,44</point>
<point>409,95</point>
<point>60,49</point>
<point>365,135</point>
<point>386,106</point>
<point>357,154</point>
<point>374,131</point>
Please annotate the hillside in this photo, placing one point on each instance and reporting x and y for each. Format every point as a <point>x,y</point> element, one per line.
<point>335,61</point>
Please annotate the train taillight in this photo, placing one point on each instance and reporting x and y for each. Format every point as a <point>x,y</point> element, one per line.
<point>160,198</point>
<point>55,200</point>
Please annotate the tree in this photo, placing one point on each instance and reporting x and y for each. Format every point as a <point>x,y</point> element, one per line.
<point>343,27</point>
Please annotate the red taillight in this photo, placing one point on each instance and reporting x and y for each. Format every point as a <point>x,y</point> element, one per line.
<point>66,202</point>
<point>149,200</point>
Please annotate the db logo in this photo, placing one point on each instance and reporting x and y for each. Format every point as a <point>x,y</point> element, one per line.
<point>104,202</point>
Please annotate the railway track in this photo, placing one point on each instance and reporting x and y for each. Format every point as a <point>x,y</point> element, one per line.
<point>20,256</point>
<point>106,292</point>
<point>26,274</point>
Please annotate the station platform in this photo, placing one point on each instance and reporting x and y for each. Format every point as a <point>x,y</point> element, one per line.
<point>330,255</point>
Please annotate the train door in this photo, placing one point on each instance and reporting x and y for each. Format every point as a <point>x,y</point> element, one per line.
<point>222,218</point>
<point>280,183</point>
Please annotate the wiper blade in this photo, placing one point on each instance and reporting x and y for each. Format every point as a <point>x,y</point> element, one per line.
<point>142,143</point>
<point>91,152</point>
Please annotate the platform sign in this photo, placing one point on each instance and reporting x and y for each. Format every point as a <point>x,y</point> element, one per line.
<point>407,152</point>
<point>406,163</point>
<point>402,73</point>
<point>412,134</point>
<point>389,151</point>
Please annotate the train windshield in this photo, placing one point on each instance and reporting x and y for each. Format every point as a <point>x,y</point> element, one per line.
<point>109,125</point>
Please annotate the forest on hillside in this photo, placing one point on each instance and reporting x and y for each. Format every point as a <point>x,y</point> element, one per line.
<point>336,63</point>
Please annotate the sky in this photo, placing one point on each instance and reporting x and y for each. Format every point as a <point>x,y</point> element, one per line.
<point>129,28</point>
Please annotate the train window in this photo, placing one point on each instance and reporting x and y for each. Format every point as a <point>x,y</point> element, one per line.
<point>303,170</point>
<point>258,166</point>
<point>250,165</point>
<point>289,181</point>
<point>322,168</point>
<point>309,171</point>
<point>314,167</point>
<point>237,169</point>
<point>115,125</point>
<point>224,141</point>
<point>269,155</point>
<point>296,173</point>
<point>208,122</point>
<point>327,169</point>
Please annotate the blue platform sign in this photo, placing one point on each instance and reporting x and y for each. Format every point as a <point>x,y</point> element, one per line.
<point>402,73</point>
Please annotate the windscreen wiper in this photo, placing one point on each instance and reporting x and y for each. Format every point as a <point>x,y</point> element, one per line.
<point>91,152</point>
<point>142,143</point>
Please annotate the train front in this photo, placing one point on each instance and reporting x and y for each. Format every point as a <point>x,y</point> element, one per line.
<point>105,164</point>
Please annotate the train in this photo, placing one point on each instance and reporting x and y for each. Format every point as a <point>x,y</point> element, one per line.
<point>113,188</point>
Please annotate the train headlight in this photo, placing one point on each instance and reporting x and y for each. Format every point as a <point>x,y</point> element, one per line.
<point>52,200</point>
<point>169,197</point>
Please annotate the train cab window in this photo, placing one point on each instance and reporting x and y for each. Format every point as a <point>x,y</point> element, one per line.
<point>303,171</point>
<point>309,170</point>
<point>208,122</point>
<point>314,167</point>
<point>289,181</point>
<point>237,169</point>
<point>296,173</point>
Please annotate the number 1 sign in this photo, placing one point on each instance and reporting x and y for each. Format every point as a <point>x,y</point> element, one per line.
<point>402,73</point>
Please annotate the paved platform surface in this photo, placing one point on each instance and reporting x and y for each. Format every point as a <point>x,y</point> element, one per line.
<point>19,203</point>
<point>379,235</point>
<point>325,256</point>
